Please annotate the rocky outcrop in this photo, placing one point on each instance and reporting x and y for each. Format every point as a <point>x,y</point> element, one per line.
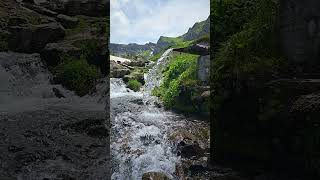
<point>117,70</point>
<point>204,69</point>
<point>33,38</point>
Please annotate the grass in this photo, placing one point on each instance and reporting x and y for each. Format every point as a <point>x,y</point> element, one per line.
<point>77,75</point>
<point>134,85</point>
<point>180,74</point>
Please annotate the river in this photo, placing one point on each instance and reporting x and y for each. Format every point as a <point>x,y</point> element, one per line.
<point>144,135</point>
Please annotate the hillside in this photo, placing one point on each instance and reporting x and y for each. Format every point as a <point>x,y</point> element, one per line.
<point>199,31</point>
<point>131,50</point>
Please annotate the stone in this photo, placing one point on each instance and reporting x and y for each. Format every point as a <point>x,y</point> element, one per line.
<point>52,52</point>
<point>154,176</point>
<point>33,38</point>
<point>67,21</point>
<point>191,150</point>
<point>58,93</point>
<point>117,70</point>
<point>204,69</point>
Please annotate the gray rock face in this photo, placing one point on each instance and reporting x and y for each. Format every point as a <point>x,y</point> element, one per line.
<point>300,31</point>
<point>67,21</point>
<point>33,38</point>
<point>204,69</point>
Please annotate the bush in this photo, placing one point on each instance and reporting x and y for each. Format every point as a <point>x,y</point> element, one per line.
<point>180,77</point>
<point>249,53</point>
<point>77,75</point>
<point>134,84</point>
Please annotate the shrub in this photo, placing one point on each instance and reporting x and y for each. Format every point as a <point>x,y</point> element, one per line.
<point>249,52</point>
<point>180,78</point>
<point>134,84</point>
<point>77,75</point>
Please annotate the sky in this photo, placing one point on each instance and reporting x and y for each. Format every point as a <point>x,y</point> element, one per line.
<point>142,21</point>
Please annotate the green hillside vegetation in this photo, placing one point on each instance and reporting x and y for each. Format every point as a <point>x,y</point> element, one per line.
<point>178,89</point>
<point>245,45</point>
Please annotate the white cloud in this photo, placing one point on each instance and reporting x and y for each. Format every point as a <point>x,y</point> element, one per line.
<point>141,21</point>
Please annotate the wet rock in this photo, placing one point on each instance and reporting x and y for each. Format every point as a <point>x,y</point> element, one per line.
<point>33,38</point>
<point>92,127</point>
<point>58,93</point>
<point>190,150</point>
<point>154,176</point>
<point>197,169</point>
<point>67,21</point>
<point>137,101</point>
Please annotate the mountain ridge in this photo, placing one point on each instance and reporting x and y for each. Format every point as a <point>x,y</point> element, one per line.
<point>196,32</point>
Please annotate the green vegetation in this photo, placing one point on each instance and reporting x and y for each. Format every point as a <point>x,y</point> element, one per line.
<point>86,23</point>
<point>180,79</point>
<point>134,84</point>
<point>77,75</point>
<point>247,46</point>
<point>156,56</point>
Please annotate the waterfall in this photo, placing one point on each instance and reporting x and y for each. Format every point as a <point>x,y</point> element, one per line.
<point>26,85</point>
<point>154,77</point>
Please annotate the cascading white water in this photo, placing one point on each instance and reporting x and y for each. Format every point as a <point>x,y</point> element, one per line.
<point>141,139</point>
<point>25,85</point>
<point>154,76</point>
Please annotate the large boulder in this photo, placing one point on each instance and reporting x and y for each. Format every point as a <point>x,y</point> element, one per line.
<point>117,70</point>
<point>33,38</point>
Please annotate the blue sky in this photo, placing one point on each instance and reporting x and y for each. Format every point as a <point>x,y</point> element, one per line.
<point>142,21</point>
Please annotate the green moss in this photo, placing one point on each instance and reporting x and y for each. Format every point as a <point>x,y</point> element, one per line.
<point>134,84</point>
<point>77,75</point>
<point>179,79</point>
<point>251,54</point>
